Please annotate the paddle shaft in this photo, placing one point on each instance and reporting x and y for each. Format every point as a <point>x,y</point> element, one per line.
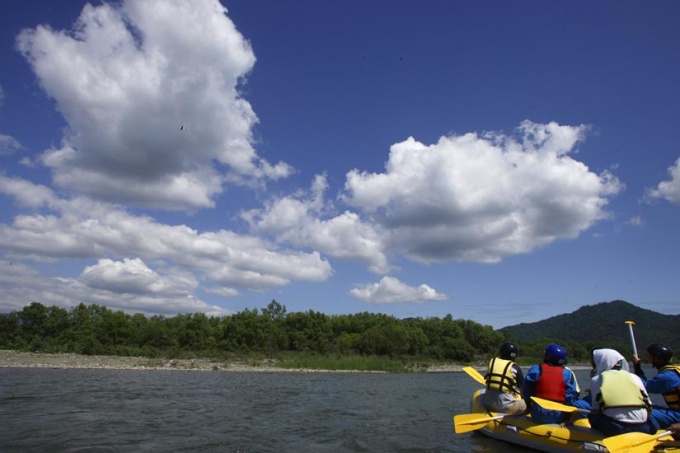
<point>629,442</point>
<point>632,338</point>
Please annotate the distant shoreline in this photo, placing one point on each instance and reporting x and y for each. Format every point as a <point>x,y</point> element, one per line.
<point>19,359</point>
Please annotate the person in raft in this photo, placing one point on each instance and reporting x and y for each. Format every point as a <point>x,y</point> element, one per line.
<point>666,382</point>
<point>620,403</point>
<point>504,381</point>
<point>551,380</point>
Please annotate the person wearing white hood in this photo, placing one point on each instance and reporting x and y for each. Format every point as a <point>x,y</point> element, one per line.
<point>619,399</point>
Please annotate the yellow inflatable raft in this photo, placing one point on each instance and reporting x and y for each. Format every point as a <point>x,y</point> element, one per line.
<point>519,429</point>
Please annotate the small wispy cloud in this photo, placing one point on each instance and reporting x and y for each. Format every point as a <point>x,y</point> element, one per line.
<point>668,190</point>
<point>635,221</point>
<point>8,144</point>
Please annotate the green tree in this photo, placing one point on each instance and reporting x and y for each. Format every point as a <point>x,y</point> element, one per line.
<point>246,331</point>
<point>32,322</point>
<point>194,332</point>
<point>386,340</point>
<point>485,339</point>
<point>308,332</point>
<point>10,332</point>
<point>274,310</point>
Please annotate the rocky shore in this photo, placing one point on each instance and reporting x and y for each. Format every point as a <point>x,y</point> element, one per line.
<point>16,359</point>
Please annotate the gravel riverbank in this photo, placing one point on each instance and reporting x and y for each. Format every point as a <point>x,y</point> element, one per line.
<point>16,359</point>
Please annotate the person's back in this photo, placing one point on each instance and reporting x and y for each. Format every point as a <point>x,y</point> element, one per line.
<point>551,380</point>
<point>503,382</point>
<point>620,403</point>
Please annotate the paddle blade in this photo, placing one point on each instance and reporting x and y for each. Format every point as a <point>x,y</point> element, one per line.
<point>553,406</point>
<point>472,422</point>
<point>632,442</point>
<point>474,374</point>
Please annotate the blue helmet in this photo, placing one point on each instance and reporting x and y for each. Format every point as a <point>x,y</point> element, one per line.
<point>555,355</point>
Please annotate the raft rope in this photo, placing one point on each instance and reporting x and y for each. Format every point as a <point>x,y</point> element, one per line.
<point>548,435</point>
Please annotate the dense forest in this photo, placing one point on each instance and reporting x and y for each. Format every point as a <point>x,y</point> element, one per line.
<point>269,332</point>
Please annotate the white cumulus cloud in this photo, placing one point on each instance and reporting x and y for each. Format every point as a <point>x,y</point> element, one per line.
<point>301,220</point>
<point>22,284</point>
<point>668,190</point>
<point>132,276</point>
<point>149,90</point>
<point>390,290</point>
<point>482,198</point>
<point>81,228</point>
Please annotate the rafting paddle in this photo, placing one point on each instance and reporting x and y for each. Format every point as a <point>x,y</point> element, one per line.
<point>472,422</point>
<point>553,406</point>
<point>632,442</point>
<point>474,374</point>
<point>632,338</point>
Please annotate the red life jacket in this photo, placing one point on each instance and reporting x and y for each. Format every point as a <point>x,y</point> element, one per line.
<point>550,384</point>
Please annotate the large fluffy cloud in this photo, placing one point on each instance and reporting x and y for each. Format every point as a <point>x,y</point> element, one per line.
<point>468,198</point>
<point>482,198</point>
<point>150,93</point>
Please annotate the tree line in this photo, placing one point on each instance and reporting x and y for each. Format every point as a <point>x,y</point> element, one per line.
<point>271,331</point>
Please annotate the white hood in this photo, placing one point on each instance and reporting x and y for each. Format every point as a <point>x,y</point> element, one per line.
<point>606,359</point>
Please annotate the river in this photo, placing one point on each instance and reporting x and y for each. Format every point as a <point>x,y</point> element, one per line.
<point>78,410</point>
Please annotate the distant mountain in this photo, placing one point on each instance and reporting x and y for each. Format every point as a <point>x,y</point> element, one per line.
<point>604,324</point>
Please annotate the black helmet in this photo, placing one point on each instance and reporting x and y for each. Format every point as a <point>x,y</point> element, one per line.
<point>509,351</point>
<point>661,354</point>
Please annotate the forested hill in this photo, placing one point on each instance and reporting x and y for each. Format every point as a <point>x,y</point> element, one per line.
<point>603,324</point>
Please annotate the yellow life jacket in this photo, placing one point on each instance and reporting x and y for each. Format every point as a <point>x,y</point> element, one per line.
<point>672,396</point>
<point>578,389</point>
<point>619,390</point>
<point>500,376</point>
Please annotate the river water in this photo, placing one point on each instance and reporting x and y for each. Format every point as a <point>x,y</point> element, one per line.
<point>71,410</point>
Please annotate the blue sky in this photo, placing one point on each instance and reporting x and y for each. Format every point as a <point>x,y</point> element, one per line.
<point>497,161</point>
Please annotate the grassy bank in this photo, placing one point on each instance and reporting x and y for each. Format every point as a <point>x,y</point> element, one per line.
<point>359,363</point>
